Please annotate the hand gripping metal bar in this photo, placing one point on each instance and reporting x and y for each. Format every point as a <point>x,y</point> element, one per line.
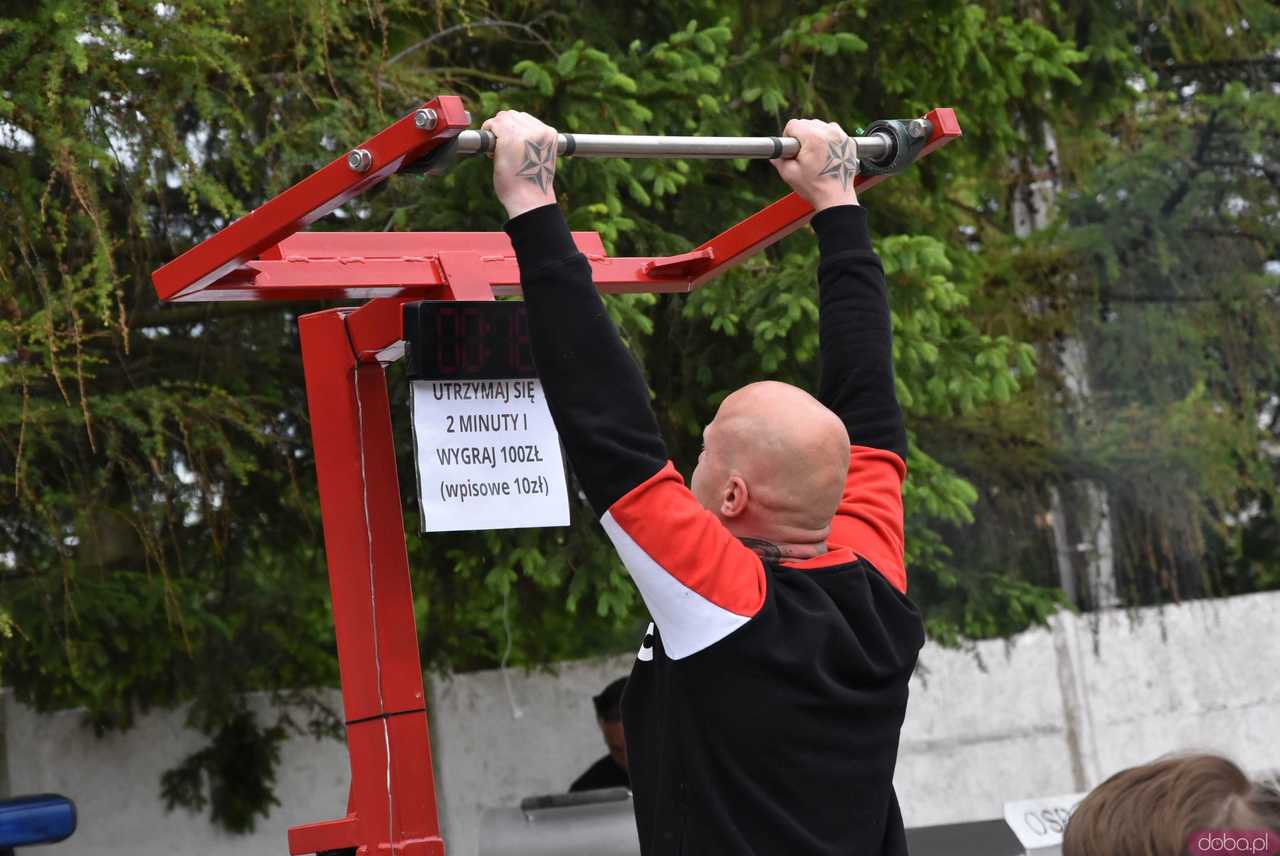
<point>889,148</point>
<point>648,146</point>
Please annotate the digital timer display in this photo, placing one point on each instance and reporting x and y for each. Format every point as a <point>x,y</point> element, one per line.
<point>468,340</point>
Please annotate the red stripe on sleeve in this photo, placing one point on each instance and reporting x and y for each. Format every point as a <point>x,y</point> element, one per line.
<point>869,518</point>
<point>665,520</point>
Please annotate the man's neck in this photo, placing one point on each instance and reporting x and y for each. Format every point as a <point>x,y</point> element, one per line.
<point>766,549</point>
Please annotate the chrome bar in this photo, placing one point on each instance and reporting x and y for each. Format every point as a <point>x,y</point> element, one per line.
<point>873,147</point>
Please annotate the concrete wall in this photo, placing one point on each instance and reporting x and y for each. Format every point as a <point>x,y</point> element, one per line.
<point>1050,712</point>
<point>1057,711</point>
<point>115,784</point>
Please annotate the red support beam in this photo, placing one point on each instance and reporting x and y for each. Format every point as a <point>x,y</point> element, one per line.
<point>392,796</point>
<point>262,256</point>
<point>774,222</point>
<point>307,201</point>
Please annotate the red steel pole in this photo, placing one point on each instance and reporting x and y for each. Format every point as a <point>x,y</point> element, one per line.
<point>391,806</point>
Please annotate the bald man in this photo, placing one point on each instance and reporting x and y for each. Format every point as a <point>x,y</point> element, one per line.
<point>763,711</point>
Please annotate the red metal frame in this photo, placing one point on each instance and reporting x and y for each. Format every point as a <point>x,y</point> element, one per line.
<point>391,807</point>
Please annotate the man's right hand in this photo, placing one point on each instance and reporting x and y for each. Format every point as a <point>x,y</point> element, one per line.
<point>524,161</point>
<point>823,172</point>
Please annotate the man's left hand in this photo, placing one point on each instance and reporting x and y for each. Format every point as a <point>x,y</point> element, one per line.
<point>524,161</point>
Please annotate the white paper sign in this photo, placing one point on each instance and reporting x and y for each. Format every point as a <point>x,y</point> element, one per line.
<point>487,455</point>
<point>1039,823</point>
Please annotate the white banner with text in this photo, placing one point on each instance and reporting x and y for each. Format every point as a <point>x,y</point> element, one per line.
<point>487,456</point>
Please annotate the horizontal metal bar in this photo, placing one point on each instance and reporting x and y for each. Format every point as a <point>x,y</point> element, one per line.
<point>646,146</point>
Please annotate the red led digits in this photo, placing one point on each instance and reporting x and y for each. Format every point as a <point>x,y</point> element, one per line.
<point>456,340</point>
<point>448,358</point>
<point>474,348</point>
<point>520,352</point>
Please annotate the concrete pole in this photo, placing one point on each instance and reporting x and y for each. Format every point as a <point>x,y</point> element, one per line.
<point>1083,546</point>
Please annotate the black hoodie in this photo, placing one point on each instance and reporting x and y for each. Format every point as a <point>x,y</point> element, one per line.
<point>764,709</point>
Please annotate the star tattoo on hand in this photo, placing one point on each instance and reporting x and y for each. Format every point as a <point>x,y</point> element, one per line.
<point>842,162</point>
<point>539,163</point>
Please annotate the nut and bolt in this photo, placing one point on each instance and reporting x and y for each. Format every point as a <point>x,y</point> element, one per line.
<point>917,128</point>
<point>425,119</point>
<point>360,160</point>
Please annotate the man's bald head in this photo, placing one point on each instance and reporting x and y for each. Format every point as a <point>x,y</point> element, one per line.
<point>773,464</point>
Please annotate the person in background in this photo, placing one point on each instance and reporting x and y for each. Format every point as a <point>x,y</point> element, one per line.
<point>611,770</point>
<point>1157,809</point>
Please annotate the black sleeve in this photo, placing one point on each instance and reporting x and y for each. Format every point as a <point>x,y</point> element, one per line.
<point>855,332</point>
<point>596,393</point>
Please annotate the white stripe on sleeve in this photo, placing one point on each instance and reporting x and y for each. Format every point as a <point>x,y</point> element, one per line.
<point>687,621</point>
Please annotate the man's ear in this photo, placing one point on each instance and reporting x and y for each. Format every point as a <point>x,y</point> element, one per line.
<point>734,500</point>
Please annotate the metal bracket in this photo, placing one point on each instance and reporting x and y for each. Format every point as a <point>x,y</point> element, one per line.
<point>435,163</point>
<point>687,265</point>
<point>907,140</point>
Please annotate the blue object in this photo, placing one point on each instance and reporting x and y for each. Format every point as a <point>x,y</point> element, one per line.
<point>37,819</point>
